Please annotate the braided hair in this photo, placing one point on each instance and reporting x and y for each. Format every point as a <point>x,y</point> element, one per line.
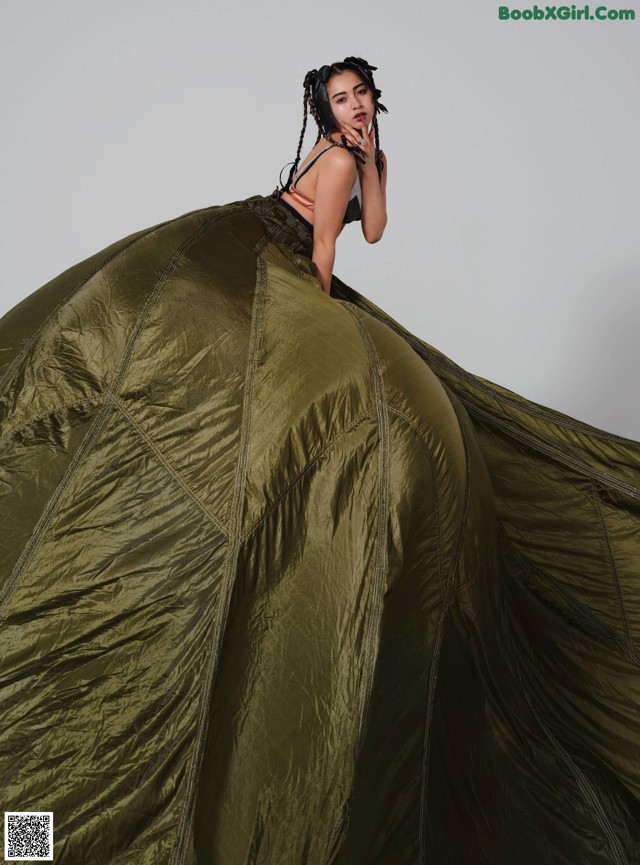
<point>308,105</point>
<point>316,100</point>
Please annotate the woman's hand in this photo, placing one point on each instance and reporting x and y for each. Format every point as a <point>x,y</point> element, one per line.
<point>364,144</point>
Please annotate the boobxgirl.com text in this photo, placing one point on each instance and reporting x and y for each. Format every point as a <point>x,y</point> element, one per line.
<point>566,13</point>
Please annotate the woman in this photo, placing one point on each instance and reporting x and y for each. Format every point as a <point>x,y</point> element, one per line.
<point>282,583</point>
<point>340,187</point>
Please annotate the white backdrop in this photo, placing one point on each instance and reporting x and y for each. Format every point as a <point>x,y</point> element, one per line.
<point>513,196</point>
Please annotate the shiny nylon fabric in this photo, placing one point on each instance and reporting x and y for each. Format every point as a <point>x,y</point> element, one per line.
<point>281,583</point>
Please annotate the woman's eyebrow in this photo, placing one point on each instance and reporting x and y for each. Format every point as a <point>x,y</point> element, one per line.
<point>344,92</point>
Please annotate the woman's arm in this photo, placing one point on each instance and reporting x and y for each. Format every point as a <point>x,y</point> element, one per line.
<point>335,180</point>
<point>374,200</point>
<point>374,187</point>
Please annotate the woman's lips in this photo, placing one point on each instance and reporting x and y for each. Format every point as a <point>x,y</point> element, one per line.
<point>360,117</point>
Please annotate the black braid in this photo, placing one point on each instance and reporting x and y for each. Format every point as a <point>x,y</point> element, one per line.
<point>379,163</point>
<point>316,117</point>
<point>374,123</point>
<point>304,127</point>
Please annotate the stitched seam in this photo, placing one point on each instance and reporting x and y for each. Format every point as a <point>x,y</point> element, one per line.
<point>383,506</point>
<point>260,245</point>
<point>436,358</point>
<point>155,294</point>
<point>52,504</point>
<point>473,578</point>
<point>97,398</point>
<point>582,611</point>
<point>436,492</point>
<point>464,586</point>
<point>230,565</point>
<point>582,782</point>
<point>331,444</point>
<point>26,347</point>
<point>432,357</point>
<point>96,427</point>
<point>446,593</point>
<point>433,674</point>
<point>169,467</point>
<point>301,272</point>
<point>614,570</point>
<point>467,498</point>
<point>554,452</point>
<point>372,626</point>
<point>431,690</point>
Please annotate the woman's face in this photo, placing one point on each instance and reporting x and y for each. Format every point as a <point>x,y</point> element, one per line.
<point>351,100</point>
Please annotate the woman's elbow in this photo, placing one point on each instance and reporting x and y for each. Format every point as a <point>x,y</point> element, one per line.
<point>372,235</point>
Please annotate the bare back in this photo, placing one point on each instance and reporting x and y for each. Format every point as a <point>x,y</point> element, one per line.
<point>308,182</point>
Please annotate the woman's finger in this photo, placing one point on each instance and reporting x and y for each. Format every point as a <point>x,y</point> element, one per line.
<point>353,137</point>
<point>347,133</point>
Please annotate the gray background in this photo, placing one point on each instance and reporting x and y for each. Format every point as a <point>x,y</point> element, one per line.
<point>513,198</point>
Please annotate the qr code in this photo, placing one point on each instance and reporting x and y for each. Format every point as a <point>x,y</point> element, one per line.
<point>28,835</point>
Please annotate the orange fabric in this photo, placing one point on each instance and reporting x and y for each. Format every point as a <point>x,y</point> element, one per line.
<point>301,199</point>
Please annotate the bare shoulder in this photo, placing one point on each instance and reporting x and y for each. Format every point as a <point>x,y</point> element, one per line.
<point>340,159</point>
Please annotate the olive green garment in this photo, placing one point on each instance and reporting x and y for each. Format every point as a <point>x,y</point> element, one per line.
<point>283,584</point>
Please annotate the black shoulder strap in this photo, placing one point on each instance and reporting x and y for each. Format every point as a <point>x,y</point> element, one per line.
<point>309,164</point>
